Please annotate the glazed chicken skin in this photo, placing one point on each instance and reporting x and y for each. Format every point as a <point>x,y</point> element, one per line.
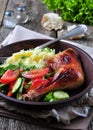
<point>68,74</point>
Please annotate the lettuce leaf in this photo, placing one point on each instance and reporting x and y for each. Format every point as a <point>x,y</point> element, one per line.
<point>80,11</point>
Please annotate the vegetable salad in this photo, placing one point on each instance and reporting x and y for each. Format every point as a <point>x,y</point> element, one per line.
<point>25,70</point>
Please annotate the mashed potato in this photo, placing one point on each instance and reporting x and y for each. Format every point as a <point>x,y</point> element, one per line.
<point>31,57</point>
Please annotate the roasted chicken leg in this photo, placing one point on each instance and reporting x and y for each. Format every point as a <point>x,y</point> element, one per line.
<point>68,74</point>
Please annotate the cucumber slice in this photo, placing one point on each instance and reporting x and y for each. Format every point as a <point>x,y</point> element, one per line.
<point>21,86</point>
<point>19,96</point>
<point>59,95</point>
<point>19,93</point>
<point>17,85</point>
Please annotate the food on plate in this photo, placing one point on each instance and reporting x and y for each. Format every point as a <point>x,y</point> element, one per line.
<point>68,74</point>
<point>31,57</point>
<point>32,74</point>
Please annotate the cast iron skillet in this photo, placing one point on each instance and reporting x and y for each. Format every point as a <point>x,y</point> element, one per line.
<point>87,64</point>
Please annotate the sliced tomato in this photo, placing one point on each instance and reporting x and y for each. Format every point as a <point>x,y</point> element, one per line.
<point>50,79</point>
<point>45,81</point>
<point>10,76</point>
<point>0,80</point>
<point>11,85</point>
<point>33,74</point>
<point>37,83</point>
<point>9,93</point>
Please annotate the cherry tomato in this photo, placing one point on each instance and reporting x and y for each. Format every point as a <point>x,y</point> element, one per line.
<point>10,76</point>
<point>33,74</point>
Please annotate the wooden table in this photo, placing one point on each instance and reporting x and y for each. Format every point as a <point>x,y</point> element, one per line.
<point>37,11</point>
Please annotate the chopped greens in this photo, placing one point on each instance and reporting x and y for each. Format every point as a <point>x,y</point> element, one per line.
<point>23,57</point>
<point>2,70</point>
<point>46,49</point>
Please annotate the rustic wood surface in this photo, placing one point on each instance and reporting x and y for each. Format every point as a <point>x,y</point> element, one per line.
<point>3,5</point>
<point>35,15</point>
<point>36,11</point>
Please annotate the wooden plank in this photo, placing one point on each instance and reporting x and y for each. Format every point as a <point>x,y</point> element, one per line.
<point>37,9</point>
<point>3,5</point>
